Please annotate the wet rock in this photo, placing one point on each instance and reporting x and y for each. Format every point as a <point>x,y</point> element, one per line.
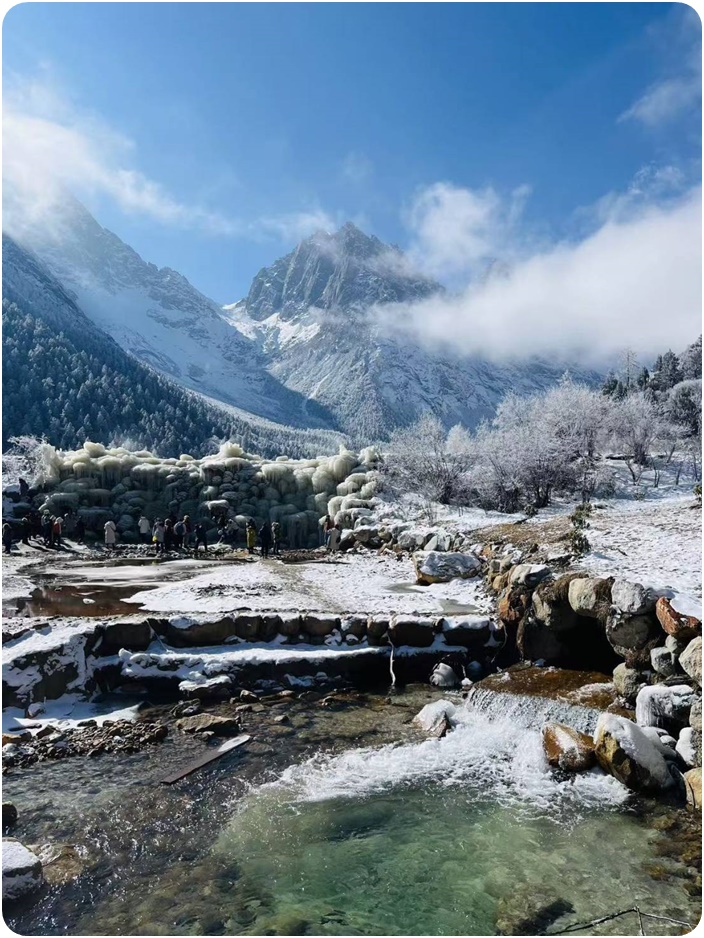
<point>567,749</point>
<point>418,633</point>
<point>693,788</point>
<point>632,599</point>
<point>184,631</point>
<point>469,631</point>
<point>9,814</point>
<point>625,751</point>
<point>532,915</point>
<point>590,597</point>
<point>528,574</point>
<point>628,681</point>
<point>691,660</point>
<point>21,870</point>
<point>213,688</point>
<point>60,862</point>
<point>664,706</point>
<point>320,624</point>
<point>437,567</point>
<point>435,718</point>
<point>210,723</point>
<point>680,625</point>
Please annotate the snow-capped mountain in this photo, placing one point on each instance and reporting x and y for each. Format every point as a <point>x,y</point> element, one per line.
<point>158,316</point>
<point>309,313</point>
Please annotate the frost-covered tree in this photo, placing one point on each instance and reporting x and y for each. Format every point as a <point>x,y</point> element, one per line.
<point>691,360</point>
<point>419,462</point>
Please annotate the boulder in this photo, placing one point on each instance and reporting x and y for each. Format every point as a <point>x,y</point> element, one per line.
<point>693,788</point>
<point>536,642</point>
<point>213,688</point>
<point>435,718</point>
<point>567,749</point>
<point>664,705</point>
<point>434,567</point>
<point>9,814</point>
<point>528,574</point>
<point>444,676</point>
<point>320,624</point>
<point>270,626</point>
<point>377,629</point>
<point>366,534</point>
<point>633,637</point>
<point>135,634</point>
<point>551,605</point>
<point>354,625</point>
<point>663,661</point>
<point>628,681</point>
<point>625,751</point>
<point>468,631</point>
<point>632,599</point>
<point>691,660</point>
<point>591,597</point>
<point>675,623</point>
<point>513,604</point>
<point>209,723</point>
<point>290,623</point>
<point>248,625</point>
<point>418,633</point>
<point>695,714</point>
<point>21,870</point>
<point>185,632</point>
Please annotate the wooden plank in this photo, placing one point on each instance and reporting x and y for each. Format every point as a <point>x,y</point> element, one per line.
<point>227,746</point>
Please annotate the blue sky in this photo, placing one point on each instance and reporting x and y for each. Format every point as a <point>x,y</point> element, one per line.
<point>210,137</point>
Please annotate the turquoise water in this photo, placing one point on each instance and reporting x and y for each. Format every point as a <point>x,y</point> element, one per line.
<point>385,833</point>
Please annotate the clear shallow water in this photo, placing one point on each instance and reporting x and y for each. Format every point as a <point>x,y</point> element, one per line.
<point>414,837</point>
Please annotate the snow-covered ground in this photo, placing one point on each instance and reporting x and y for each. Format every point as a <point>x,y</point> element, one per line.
<point>356,583</point>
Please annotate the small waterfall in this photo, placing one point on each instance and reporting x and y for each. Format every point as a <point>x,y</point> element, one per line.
<point>531,712</point>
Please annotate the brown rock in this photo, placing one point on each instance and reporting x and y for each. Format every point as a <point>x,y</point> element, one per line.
<point>675,623</point>
<point>693,788</point>
<point>513,605</point>
<point>568,749</point>
<point>209,723</point>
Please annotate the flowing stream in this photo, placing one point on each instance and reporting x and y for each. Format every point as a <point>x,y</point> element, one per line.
<point>384,833</point>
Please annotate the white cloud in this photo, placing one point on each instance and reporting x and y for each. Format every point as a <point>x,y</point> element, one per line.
<point>296,225</point>
<point>455,231</point>
<point>50,147</point>
<point>665,100</point>
<point>634,281</point>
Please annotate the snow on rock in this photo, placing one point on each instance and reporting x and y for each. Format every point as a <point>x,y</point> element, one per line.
<point>21,870</point>
<point>443,676</point>
<point>470,631</point>
<point>435,716</point>
<point>567,749</point>
<point>685,746</point>
<point>528,574</point>
<point>632,598</point>
<point>675,623</point>
<point>440,567</point>
<point>626,752</point>
<point>663,705</point>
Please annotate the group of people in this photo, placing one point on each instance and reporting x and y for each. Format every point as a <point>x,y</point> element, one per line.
<point>46,528</point>
<point>166,534</point>
<point>269,537</point>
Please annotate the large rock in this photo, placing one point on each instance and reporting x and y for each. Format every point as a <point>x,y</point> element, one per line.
<point>377,630</point>
<point>633,637</point>
<point>513,604</point>
<point>591,597</point>
<point>691,660</point>
<point>219,687</point>
<point>444,676</point>
<point>628,681</point>
<point>663,661</point>
<point>469,631</point>
<point>625,751</point>
<point>320,624</point>
<point>676,623</point>
<point>528,574</point>
<point>693,788</point>
<point>21,870</point>
<point>632,599</point>
<point>436,717</point>
<point>695,714</point>
<point>248,626</point>
<point>551,604</point>
<point>435,567</point>
<point>209,723</point>
<point>418,633</point>
<point>664,705</point>
<point>184,631</point>
<point>536,642</point>
<point>567,749</point>
<point>685,746</point>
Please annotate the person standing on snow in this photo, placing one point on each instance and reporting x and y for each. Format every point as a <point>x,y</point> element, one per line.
<point>145,529</point>
<point>265,538</point>
<point>201,537</point>
<point>110,534</point>
<point>251,536</point>
<point>7,537</point>
<point>276,536</point>
<point>333,538</point>
<point>158,536</point>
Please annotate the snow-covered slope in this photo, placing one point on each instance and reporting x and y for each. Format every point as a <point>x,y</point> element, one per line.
<point>158,316</point>
<point>309,313</point>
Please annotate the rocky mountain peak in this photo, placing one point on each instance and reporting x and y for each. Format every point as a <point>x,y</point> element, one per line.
<point>346,270</point>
